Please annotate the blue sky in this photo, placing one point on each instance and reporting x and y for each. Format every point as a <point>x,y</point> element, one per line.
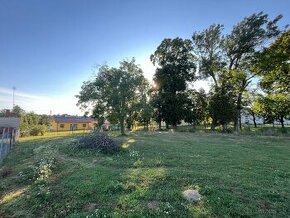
<point>49,47</point>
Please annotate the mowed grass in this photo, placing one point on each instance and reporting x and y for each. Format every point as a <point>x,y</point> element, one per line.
<point>237,176</point>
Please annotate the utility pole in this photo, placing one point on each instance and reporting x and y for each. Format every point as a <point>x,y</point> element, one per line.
<point>14,88</point>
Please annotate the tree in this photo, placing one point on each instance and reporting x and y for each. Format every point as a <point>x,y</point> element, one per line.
<point>113,91</point>
<point>273,65</point>
<point>31,123</point>
<point>274,69</point>
<point>228,59</point>
<point>221,107</point>
<point>145,109</point>
<point>274,107</point>
<point>251,105</point>
<point>242,46</point>
<point>208,46</point>
<point>201,106</point>
<point>18,111</point>
<point>175,67</point>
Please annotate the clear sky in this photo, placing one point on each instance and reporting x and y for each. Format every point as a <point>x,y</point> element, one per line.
<point>49,47</point>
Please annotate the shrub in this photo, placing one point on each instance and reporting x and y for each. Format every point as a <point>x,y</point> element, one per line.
<point>98,141</point>
<point>38,129</point>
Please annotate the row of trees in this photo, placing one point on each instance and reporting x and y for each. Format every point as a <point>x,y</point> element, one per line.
<point>255,50</point>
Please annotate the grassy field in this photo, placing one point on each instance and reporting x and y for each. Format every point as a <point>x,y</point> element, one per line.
<point>237,176</point>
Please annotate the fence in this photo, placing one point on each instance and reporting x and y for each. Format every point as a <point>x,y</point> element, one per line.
<point>7,141</point>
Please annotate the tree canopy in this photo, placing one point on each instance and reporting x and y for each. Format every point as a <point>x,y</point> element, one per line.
<point>228,59</point>
<point>254,49</point>
<point>175,68</point>
<point>113,92</point>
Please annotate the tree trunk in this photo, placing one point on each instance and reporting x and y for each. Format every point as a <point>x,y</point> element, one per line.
<point>237,118</point>
<point>215,81</point>
<point>174,126</point>
<point>240,121</point>
<point>213,124</point>
<point>225,127</point>
<point>167,126</point>
<point>282,121</point>
<point>237,121</point>
<point>254,119</point>
<point>122,127</point>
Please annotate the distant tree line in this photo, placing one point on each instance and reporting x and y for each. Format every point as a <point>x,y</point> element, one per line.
<point>255,52</point>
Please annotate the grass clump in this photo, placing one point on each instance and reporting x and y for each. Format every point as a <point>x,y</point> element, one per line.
<point>98,141</point>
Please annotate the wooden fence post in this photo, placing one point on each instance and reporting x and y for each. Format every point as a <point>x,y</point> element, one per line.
<point>12,140</point>
<point>7,142</point>
<point>2,141</point>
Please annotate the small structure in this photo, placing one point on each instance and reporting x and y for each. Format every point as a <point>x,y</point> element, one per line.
<point>9,132</point>
<point>68,123</point>
<point>10,124</point>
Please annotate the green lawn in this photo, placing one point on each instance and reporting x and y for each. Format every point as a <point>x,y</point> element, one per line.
<point>237,176</point>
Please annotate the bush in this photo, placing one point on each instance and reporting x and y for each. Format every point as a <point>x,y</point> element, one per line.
<point>38,129</point>
<point>98,141</point>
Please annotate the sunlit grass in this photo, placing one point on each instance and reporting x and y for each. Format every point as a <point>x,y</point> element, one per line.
<point>53,135</point>
<point>12,196</point>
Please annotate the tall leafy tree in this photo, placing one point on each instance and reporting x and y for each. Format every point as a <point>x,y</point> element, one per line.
<point>200,101</point>
<point>18,110</point>
<point>113,91</point>
<point>273,66</point>
<point>208,46</point>
<point>145,109</point>
<point>221,107</point>
<point>175,67</point>
<point>242,46</point>
<point>274,107</point>
<point>228,58</point>
<point>250,104</point>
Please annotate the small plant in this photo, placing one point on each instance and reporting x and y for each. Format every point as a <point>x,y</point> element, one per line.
<point>26,176</point>
<point>98,141</point>
<point>44,168</point>
<point>134,154</point>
